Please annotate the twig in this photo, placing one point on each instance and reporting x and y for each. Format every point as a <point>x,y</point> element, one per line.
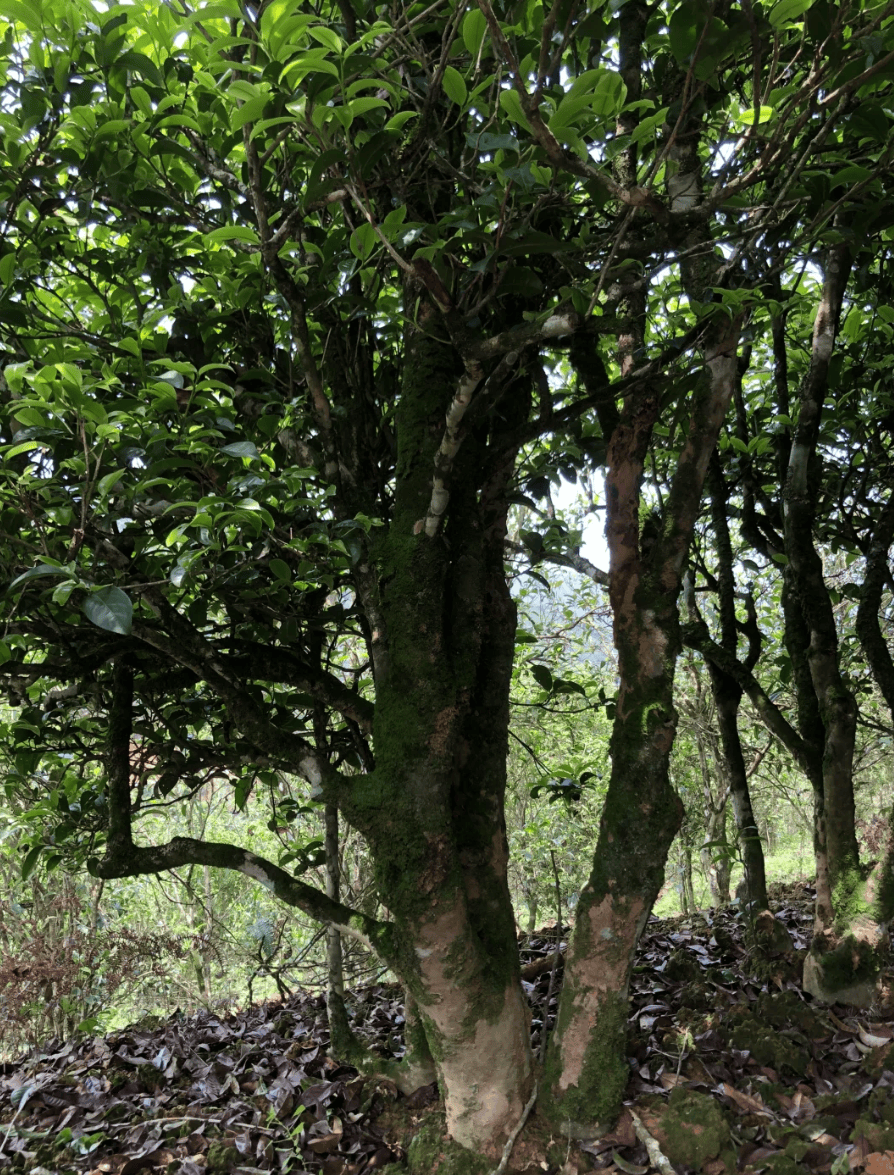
<point>12,1123</point>
<point>656,1158</point>
<point>510,1142</point>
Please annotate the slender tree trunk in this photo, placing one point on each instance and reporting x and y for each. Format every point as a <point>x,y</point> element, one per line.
<point>586,1069</point>
<point>727,696</point>
<point>797,469</point>
<point>585,1072</point>
<point>689,906</point>
<point>715,864</point>
<point>209,932</point>
<point>713,852</point>
<point>878,656</point>
<point>844,958</point>
<point>727,691</point>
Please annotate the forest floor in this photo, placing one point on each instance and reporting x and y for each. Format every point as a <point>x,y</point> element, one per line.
<point>732,1069</point>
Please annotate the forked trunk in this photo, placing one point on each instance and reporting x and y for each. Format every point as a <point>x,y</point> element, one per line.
<point>586,1067</point>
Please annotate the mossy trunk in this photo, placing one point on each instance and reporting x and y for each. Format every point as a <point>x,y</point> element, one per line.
<point>431,810</point>
<point>727,692</point>
<point>848,943</point>
<point>586,1068</point>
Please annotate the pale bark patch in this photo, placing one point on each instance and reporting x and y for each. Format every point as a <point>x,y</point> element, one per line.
<point>652,650</point>
<point>485,1067</point>
<point>604,971</point>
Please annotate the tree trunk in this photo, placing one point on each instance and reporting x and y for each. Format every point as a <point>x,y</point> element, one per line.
<point>728,692</point>
<point>727,696</point>
<point>432,808</point>
<point>845,954</point>
<point>339,1031</point>
<point>585,1071</point>
<point>714,850</point>
<point>716,864</point>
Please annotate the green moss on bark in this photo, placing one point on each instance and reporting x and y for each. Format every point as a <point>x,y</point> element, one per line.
<point>595,1101</point>
<point>849,896</point>
<point>850,962</point>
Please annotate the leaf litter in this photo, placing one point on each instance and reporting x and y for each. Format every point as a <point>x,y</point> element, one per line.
<point>732,1069</point>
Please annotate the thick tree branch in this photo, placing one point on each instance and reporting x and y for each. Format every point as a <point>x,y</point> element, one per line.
<point>129,861</point>
<point>697,636</point>
<point>272,664</point>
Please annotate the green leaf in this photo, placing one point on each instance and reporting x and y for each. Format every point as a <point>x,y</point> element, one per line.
<point>281,570</point>
<point>399,121</point>
<point>454,86</point>
<point>249,111</point>
<point>31,418</point>
<point>848,176</point>
<point>232,232</point>
<point>684,30</point>
<point>40,569</point>
<point>488,142</point>
<point>511,103</point>
<point>788,10</point>
<point>363,241</point>
<point>326,37</point>
<point>63,592</point>
<point>29,864</point>
<point>15,10</point>
<point>240,449</point>
<point>604,90</point>
<point>474,28</point>
<point>110,608</point>
<point>112,128</point>
<point>179,120</point>
<point>105,484</point>
<point>266,124</point>
<point>567,111</point>
<point>22,447</point>
<point>358,106</point>
<point>746,117</point>
<point>542,675</point>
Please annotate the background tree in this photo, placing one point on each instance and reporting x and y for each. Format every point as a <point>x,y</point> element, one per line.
<point>801,505</point>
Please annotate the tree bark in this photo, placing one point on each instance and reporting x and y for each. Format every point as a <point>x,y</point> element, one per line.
<point>432,808</point>
<point>728,693</point>
<point>878,655</point>
<point>585,1072</point>
<point>844,958</point>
